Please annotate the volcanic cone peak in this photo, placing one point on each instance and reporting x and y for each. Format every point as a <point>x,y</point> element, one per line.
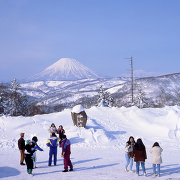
<point>65,69</point>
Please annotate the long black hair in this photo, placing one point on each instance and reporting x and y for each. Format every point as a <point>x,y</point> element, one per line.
<point>129,142</point>
<point>139,145</point>
<point>53,124</point>
<point>156,144</point>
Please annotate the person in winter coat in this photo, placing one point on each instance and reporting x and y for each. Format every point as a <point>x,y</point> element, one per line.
<point>139,154</point>
<point>61,132</point>
<point>29,150</point>
<point>34,140</point>
<point>52,129</point>
<point>156,158</point>
<point>66,151</point>
<point>128,152</point>
<point>21,145</point>
<point>53,144</point>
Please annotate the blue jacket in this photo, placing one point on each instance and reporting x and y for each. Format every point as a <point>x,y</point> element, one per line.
<point>53,142</point>
<point>36,147</point>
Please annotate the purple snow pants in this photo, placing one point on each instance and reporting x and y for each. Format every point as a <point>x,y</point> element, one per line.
<point>67,161</point>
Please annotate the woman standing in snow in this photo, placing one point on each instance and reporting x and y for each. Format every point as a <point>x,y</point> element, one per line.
<point>156,158</point>
<point>128,151</point>
<point>61,132</point>
<point>139,154</point>
<point>52,129</point>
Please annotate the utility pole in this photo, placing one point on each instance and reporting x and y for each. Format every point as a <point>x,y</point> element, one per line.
<point>132,83</point>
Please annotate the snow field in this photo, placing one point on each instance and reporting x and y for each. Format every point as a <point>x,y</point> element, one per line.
<point>98,149</point>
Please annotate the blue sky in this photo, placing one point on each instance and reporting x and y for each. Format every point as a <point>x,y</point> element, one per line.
<point>97,33</point>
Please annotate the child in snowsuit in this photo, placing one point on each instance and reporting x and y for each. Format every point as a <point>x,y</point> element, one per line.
<point>156,158</point>
<point>29,150</point>
<point>66,151</point>
<point>34,140</point>
<point>139,154</point>
<point>128,151</point>
<point>21,145</point>
<point>53,144</point>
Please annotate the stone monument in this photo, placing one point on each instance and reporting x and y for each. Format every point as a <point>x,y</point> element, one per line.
<point>79,116</point>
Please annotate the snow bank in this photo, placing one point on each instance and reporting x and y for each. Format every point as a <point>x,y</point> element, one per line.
<point>106,127</point>
<point>99,146</point>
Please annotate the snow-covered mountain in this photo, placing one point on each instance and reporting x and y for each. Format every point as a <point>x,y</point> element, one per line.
<point>65,69</point>
<point>59,92</point>
<point>53,93</point>
<point>141,74</point>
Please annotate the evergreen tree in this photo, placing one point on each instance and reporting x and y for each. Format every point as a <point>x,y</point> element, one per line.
<point>140,99</point>
<point>101,99</point>
<point>1,106</point>
<point>108,99</point>
<point>3,97</point>
<point>105,99</point>
<point>17,103</point>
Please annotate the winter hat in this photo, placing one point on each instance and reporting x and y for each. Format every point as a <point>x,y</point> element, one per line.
<point>28,141</point>
<point>35,139</point>
<point>64,136</point>
<point>22,134</point>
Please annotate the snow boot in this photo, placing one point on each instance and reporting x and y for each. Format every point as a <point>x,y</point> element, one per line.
<point>65,171</point>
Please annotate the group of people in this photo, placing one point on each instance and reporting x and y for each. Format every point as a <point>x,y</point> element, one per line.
<point>137,151</point>
<point>28,150</point>
<point>133,150</point>
<point>63,142</point>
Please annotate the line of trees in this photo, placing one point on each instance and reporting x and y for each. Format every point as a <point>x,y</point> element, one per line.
<point>14,102</point>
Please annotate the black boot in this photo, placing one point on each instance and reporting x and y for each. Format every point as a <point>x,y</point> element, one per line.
<point>65,171</point>
<point>71,169</point>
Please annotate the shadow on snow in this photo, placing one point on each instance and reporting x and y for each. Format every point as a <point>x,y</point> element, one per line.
<point>170,169</point>
<point>83,161</point>
<point>8,172</point>
<point>96,167</point>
